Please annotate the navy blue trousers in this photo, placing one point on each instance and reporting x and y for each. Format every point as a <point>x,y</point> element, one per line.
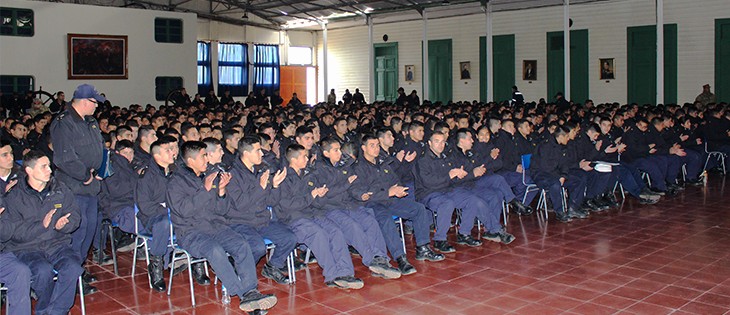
<point>494,183</point>
<point>406,209</point>
<point>443,204</point>
<point>489,214</point>
<point>328,244</point>
<point>82,238</point>
<point>159,227</point>
<point>54,297</point>
<point>362,231</point>
<point>16,277</point>
<point>694,164</point>
<point>276,232</point>
<point>575,185</point>
<point>215,247</point>
<point>630,178</point>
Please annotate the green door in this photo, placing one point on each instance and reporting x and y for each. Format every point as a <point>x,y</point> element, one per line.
<point>578,65</point>
<point>722,60</point>
<point>386,72</point>
<point>504,66</point>
<point>641,62</point>
<point>440,77</point>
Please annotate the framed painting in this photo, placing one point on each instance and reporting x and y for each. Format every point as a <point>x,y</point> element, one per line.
<point>97,56</point>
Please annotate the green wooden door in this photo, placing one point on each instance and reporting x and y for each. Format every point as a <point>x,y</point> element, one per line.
<point>483,68</point>
<point>386,72</point>
<point>722,60</point>
<point>641,62</point>
<point>578,65</point>
<point>440,76</point>
<point>504,66</point>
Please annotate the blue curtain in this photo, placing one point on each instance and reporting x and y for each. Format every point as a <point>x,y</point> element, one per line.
<point>205,77</point>
<point>233,69</point>
<point>266,68</point>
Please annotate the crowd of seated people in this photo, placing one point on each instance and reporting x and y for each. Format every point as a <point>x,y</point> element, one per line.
<point>331,178</point>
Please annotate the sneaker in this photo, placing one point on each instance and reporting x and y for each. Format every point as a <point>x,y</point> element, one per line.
<point>275,274</point>
<point>443,246</point>
<point>647,201</point>
<point>424,252</point>
<point>467,240</point>
<point>255,300</point>
<point>494,237</point>
<point>346,282</point>
<point>658,192</point>
<point>381,268</point>
<point>506,238</point>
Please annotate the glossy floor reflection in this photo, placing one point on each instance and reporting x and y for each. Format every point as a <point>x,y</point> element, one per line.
<point>673,257</point>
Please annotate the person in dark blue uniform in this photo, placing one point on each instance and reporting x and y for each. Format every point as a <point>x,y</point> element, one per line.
<point>78,151</point>
<point>551,168</point>
<point>196,211</point>
<point>42,239</point>
<point>149,196</point>
<point>296,196</point>
<point>644,154</point>
<point>512,169</point>
<point>251,193</point>
<point>14,274</point>
<point>584,146</point>
<point>357,223</point>
<point>9,170</point>
<point>380,188</point>
<point>116,199</point>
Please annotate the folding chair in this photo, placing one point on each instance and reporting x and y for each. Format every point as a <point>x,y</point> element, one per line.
<point>398,220</point>
<point>718,155</point>
<point>108,226</point>
<point>81,293</point>
<point>526,162</point>
<point>144,238</point>
<point>7,302</point>
<point>178,253</point>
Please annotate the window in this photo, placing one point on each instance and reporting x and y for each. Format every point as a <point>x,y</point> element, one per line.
<point>205,77</point>
<point>10,84</point>
<point>16,22</point>
<point>266,68</point>
<point>168,30</point>
<point>164,85</point>
<point>233,69</point>
<point>300,55</point>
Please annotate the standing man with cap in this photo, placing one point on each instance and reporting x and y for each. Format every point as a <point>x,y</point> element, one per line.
<point>706,97</point>
<point>78,152</point>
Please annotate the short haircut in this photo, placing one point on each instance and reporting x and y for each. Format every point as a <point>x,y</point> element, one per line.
<point>191,149</point>
<point>380,133</point>
<point>157,145</point>
<point>367,137</point>
<point>463,133</point>
<point>123,144</point>
<point>4,142</point>
<point>229,133</point>
<point>293,151</point>
<point>415,124</point>
<point>301,131</point>
<point>339,119</point>
<point>593,127</point>
<point>328,142</point>
<point>123,130</point>
<point>561,130</point>
<point>145,131</point>
<point>246,144</point>
<point>436,133</point>
<point>184,128</point>
<point>211,143</point>
<point>30,158</point>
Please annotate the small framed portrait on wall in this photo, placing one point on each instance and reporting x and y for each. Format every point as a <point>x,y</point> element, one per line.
<point>465,70</point>
<point>607,69</point>
<point>529,70</point>
<point>410,73</point>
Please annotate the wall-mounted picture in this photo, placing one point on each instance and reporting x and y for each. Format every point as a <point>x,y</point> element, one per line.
<point>97,56</point>
<point>529,70</point>
<point>410,73</point>
<point>465,70</point>
<point>607,69</point>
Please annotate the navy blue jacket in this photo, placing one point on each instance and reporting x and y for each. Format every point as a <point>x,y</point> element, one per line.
<point>192,208</point>
<point>483,152</point>
<point>375,178</point>
<point>249,201</point>
<point>637,145</point>
<point>551,158</point>
<point>508,150</point>
<point>77,148</point>
<point>432,174</point>
<point>26,208</point>
<point>295,196</point>
<point>117,191</point>
<point>149,195</point>
<point>7,228</point>
<point>336,178</point>
<point>141,157</point>
<point>15,174</point>
<point>406,169</point>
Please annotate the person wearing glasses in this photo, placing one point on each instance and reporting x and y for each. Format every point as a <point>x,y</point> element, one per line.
<point>78,152</point>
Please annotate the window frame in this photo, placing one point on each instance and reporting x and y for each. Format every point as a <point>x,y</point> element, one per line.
<point>169,87</point>
<point>14,17</point>
<point>167,30</point>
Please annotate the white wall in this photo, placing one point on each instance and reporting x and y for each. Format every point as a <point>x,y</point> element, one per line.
<point>606,23</point>
<point>44,55</point>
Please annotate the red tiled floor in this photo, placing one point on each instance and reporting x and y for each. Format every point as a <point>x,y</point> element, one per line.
<point>669,257</point>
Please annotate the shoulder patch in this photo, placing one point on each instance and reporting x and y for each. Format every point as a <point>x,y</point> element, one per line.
<point>310,184</point>
<point>58,206</point>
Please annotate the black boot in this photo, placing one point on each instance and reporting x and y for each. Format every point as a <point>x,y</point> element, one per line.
<point>404,266</point>
<point>520,208</point>
<point>102,258</point>
<point>199,274</point>
<point>424,252</point>
<point>155,270</point>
